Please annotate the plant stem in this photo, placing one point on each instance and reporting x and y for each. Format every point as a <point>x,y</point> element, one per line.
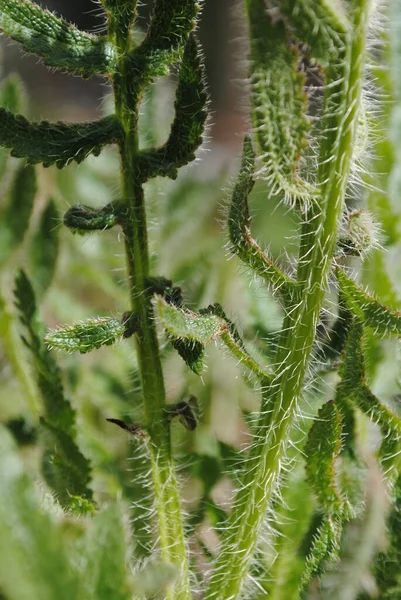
<point>280,400</point>
<point>169,519</point>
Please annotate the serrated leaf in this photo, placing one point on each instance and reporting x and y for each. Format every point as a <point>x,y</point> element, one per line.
<point>239,223</point>
<point>56,41</point>
<point>189,121</point>
<point>87,335</point>
<point>278,105</point>
<point>192,353</point>
<point>384,320</point>
<point>322,448</point>
<point>56,143</point>
<point>171,24</point>
<point>43,251</point>
<point>67,470</point>
<point>17,213</point>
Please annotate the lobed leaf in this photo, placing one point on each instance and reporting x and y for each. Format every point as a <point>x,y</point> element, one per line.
<point>57,42</point>
<point>43,251</point>
<point>66,469</point>
<point>383,320</point>
<point>239,223</point>
<point>56,143</point>
<point>87,335</point>
<point>17,213</point>
<point>169,30</point>
<point>279,105</point>
<point>189,121</point>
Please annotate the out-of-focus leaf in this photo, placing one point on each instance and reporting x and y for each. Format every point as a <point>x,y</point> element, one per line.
<point>17,212</point>
<point>43,251</point>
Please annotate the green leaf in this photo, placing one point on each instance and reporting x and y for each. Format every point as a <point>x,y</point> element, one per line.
<point>56,143</point>
<point>321,24</point>
<point>12,93</point>
<point>11,98</point>
<point>17,213</point>
<point>170,27</point>
<point>279,105</point>
<point>106,545</point>
<point>239,223</point>
<point>191,326</point>
<point>382,319</point>
<point>34,561</point>
<point>43,251</point>
<point>66,469</point>
<point>191,332</point>
<point>325,547</point>
<point>86,336</point>
<point>189,122</point>
<point>83,219</point>
<point>56,41</point>
<point>321,450</point>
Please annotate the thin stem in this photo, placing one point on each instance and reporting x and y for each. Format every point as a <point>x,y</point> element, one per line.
<point>280,400</point>
<point>169,519</point>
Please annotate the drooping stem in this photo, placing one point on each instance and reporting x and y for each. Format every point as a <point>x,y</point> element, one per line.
<point>168,512</point>
<point>280,401</point>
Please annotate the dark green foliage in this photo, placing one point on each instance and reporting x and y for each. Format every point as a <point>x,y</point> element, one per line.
<point>43,251</point>
<point>322,449</point>
<point>171,25</point>
<point>189,121</point>
<point>65,468</point>
<point>56,143</point>
<point>56,41</point>
<point>83,219</point>
<point>17,213</point>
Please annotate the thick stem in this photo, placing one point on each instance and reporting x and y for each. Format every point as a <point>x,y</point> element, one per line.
<point>165,489</point>
<point>268,452</point>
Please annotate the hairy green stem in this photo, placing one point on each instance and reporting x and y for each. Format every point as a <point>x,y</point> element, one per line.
<point>169,519</point>
<point>280,400</point>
